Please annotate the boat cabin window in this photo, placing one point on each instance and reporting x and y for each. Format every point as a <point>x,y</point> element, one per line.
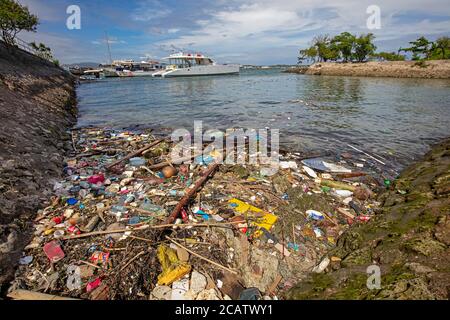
<point>190,62</point>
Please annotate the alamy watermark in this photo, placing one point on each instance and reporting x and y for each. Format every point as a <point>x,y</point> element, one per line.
<point>73,22</point>
<point>232,146</point>
<point>374,20</point>
<point>374,277</point>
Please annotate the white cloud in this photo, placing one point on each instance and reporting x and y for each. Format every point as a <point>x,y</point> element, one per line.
<point>148,10</point>
<point>64,49</point>
<point>44,11</point>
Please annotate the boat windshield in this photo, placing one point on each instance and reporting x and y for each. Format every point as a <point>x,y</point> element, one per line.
<point>190,62</point>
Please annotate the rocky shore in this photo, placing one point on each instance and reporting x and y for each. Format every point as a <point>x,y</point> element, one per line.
<point>409,241</point>
<point>37,106</point>
<point>436,69</point>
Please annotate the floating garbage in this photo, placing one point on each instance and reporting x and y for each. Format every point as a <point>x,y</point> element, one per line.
<point>324,166</point>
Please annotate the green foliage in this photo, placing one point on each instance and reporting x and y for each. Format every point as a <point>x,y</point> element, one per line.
<point>423,49</point>
<point>325,49</point>
<point>441,49</point>
<point>389,56</point>
<point>309,54</point>
<point>348,47</point>
<point>364,47</point>
<point>15,18</point>
<point>420,48</point>
<point>41,50</point>
<point>344,46</point>
<point>344,43</point>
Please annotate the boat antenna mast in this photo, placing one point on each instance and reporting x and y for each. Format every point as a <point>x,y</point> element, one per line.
<point>109,48</point>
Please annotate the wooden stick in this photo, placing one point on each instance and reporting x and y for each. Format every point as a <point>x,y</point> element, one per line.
<point>32,295</point>
<point>90,264</point>
<point>191,192</point>
<point>134,154</point>
<point>140,238</point>
<point>350,174</point>
<point>73,142</point>
<point>274,285</point>
<point>132,259</point>
<point>345,213</point>
<point>370,156</point>
<point>160,226</point>
<point>169,163</point>
<point>201,257</point>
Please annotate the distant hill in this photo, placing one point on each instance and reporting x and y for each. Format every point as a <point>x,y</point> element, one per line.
<point>83,64</point>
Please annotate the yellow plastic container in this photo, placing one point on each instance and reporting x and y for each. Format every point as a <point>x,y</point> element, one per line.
<point>172,268</point>
<point>263,219</point>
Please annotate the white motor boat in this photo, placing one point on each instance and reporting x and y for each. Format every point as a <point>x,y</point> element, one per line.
<point>136,73</point>
<point>92,74</point>
<point>188,64</point>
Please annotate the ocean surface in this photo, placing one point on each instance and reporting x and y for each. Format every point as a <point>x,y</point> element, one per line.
<point>396,119</point>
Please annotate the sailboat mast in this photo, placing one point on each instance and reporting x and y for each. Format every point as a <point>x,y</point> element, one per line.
<point>109,48</point>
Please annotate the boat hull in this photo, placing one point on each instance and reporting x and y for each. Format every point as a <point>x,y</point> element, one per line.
<point>125,74</point>
<point>208,70</point>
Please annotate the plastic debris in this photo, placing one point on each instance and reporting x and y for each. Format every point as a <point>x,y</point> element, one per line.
<point>172,268</point>
<point>235,234</point>
<point>53,251</point>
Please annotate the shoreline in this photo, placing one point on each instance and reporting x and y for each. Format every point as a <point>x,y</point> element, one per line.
<point>52,143</point>
<point>434,69</point>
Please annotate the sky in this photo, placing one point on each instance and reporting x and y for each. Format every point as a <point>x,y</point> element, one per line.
<point>260,32</point>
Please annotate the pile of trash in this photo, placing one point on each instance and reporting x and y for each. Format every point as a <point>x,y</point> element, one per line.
<point>127,223</point>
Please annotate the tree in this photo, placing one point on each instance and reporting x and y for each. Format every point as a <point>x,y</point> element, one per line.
<point>421,48</point>
<point>364,47</point>
<point>325,50</point>
<point>442,47</point>
<point>389,56</point>
<point>344,43</point>
<point>307,54</point>
<point>14,18</point>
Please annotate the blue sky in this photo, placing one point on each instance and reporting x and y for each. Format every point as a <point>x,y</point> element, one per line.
<point>239,31</point>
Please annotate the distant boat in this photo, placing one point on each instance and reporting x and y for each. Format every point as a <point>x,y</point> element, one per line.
<point>187,64</point>
<point>136,73</point>
<point>94,74</point>
<point>110,72</point>
<point>129,68</point>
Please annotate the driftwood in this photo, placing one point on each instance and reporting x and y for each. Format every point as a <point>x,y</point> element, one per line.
<point>345,213</point>
<point>272,288</point>
<point>201,257</point>
<point>170,163</point>
<point>32,295</point>
<point>337,185</point>
<point>134,154</point>
<point>160,226</point>
<point>192,191</point>
<point>350,174</point>
<point>132,259</point>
